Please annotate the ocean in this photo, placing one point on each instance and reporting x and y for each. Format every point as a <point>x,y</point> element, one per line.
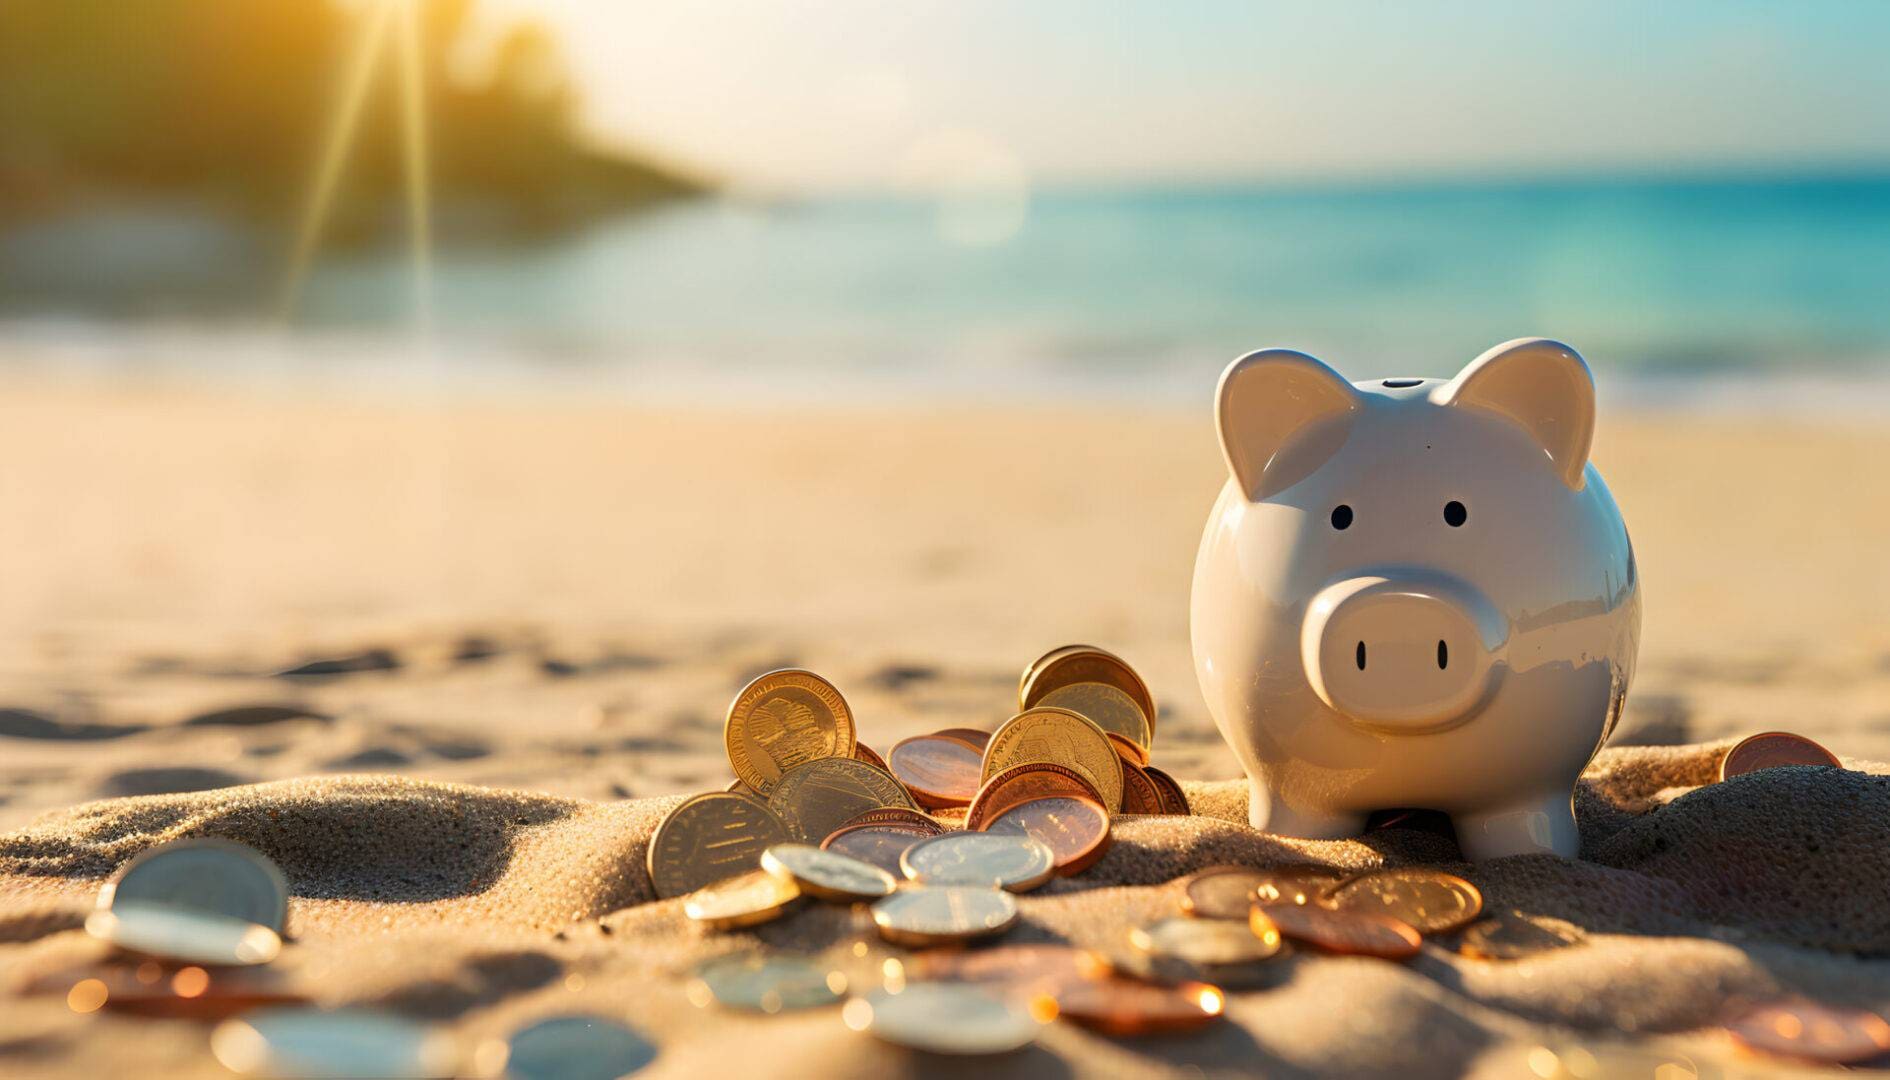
<point>1752,290</point>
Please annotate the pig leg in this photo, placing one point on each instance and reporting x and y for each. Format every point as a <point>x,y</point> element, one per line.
<point>1271,815</point>
<point>1541,826</point>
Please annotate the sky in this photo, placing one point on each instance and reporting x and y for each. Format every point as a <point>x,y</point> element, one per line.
<point>844,94</point>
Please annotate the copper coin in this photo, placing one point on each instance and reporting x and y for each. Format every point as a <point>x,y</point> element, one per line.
<point>1119,1006</point>
<point>1139,793</point>
<point>155,988</point>
<point>1127,749</point>
<point>1429,901</point>
<point>1349,932</point>
<point>1228,892</point>
<point>938,770</point>
<point>1076,829</point>
<point>863,752</point>
<point>977,737</point>
<point>1012,969</point>
<point>709,838</point>
<point>1021,783</point>
<point>744,900</point>
<point>1030,669</point>
<point>815,798</point>
<point>1108,708</point>
<point>1770,749</point>
<point>1813,1032</point>
<point>783,719</point>
<point>1058,737</point>
<point>876,845</point>
<point>1087,663</point>
<point>1174,800</point>
<point>896,815</point>
<point>1511,935</point>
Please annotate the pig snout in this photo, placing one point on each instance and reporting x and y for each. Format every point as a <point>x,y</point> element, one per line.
<point>1402,651</point>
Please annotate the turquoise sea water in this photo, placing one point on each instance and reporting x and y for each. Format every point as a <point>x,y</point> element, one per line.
<point>1140,292</point>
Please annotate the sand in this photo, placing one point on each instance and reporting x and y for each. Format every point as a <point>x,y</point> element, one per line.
<point>533,616</point>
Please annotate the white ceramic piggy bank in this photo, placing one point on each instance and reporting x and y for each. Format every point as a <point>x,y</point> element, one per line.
<point>1415,593</point>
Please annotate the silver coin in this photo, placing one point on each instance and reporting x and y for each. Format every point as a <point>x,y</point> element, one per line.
<point>1003,860</point>
<point>341,1043</point>
<point>945,1018</point>
<point>827,874</point>
<point>576,1048</point>
<point>768,984</point>
<point>193,937</point>
<point>205,874</point>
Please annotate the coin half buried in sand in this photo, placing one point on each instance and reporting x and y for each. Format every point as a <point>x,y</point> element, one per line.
<point>1771,749</point>
<point>1021,783</point>
<point>783,719</point>
<point>943,915</point>
<point>307,1042</point>
<point>1015,862</point>
<point>877,845</point>
<point>827,874</point>
<point>1209,942</point>
<point>1119,1006</point>
<point>1106,707</point>
<point>1174,800</point>
<point>1058,737</point>
<point>576,1048</point>
<point>1350,932</point>
<point>944,1018</point>
<point>1511,935</point>
<point>814,799</point>
<point>207,874</point>
<point>1229,892</point>
<point>1086,663</point>
<point>193,937</point>
<point>1076,830</point>
<point>1813,1032</point>
<point>938,769</point>
<point>767,984</point>
<point>708,838</point>
<point>743,900</point>
<point>1429,901</point>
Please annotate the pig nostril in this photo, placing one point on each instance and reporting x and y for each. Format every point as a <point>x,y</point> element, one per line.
<point>1443,655</point>
<point>1361,656</point>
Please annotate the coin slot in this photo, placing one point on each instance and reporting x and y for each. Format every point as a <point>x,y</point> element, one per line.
<point>1399,384</point>
<point>1443,655</point>
<point>1341,517</point>
<point>1361,656</point>
<point>1455,514</point>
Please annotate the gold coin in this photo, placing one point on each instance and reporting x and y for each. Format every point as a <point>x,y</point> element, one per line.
<point>1429,901</point>
<point>306,1041</point>
<point>944,1018</point>
<point>768,984</point>
<point>1087,663</point>
<point>207,874</point>
<point>743,900</point>
<point>1770,749</point>
<point>564,1047</point>
<point>1228,892</point>
<point>815,798</point>
<point>1209,942</point>
<point>827,874</point>
<point>943,914</point>
<point>1059,737</point>
<point>1106,707</point>
<point>1012,861</point>
<point>783,719</point>
<point>183,934</point>
<point>1128,750</point>
<point>1813,1032</point>
<point>1174,800</point>
<point>708,838</point>
<point>1511,935</point>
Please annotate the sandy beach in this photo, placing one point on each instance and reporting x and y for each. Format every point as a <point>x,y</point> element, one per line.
<point>553,603</point>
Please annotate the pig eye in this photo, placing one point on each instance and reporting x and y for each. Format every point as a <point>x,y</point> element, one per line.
<point>1455,513</point>
<point>1341,516</point>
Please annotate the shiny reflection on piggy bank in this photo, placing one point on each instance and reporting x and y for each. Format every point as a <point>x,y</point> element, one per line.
<point>1415,593</point>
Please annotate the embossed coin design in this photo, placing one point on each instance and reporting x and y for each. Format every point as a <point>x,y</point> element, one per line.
<point>939,770</point>
<point>945,1018</point>
<point>766,984</point>
<point>1022,783</point>
<point>1174,800</point>
<point>576,1048</point>
<point>1351,932</point>
<point>207,874</point>
<point>181,934</point>
<point>1118,1006</point>
<point>1106,707</point>
<point>814,799</point>
<point>310,1042</point>
<point>709,838</point>
<point>1058,737</point>
<point>1813,1032</point>
<point>1511,935</point>
<point>1014,862</point>
<point>1228,892</point>
<point>1208,942</point>
<point>897,815</point>
<point>923,916</point>
<point>1770,749</point>
<point>1429,901</point>
<point>829,875</point>
<point>783,719</point>
<point>1076,830</point>
<point>744,900</point>
<point>1087,663</point>
<point>877,845</point>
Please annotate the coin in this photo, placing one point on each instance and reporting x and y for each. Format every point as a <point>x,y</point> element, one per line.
<point>1017,970</point>
<point>154,988</point>
<point>783,719</point>
<point>708,838</point>
<point>1429,901</point>
<point>814,799</point>
<point>1087,663</point>
<point>308,1042</point>
<point>743,900</point>
<point>977,737</point>
<point>863,752</point>
<point>940,915</point>
<point>1119,1006</point>
<point>1511,935</point>
<point>1351,932</point>
<point>944,1018</point>
<point>1813,1032</point>
<point>1209,942</point>
<point>194,937</point>
<point>1126,748</point>
<point>208,874</point>
<point>829,875</point>
<point>876,845</point>
<point>1058,737</point>
<point>1139,794</point>
<point>1174,800</point>
<point>897,815</point>
<point>1227,892</point>
<point>1075,829</point>
<point>576,1048</point>
<point>1021,783</point>
<point>1770,749</point>
<point>937,769</point>
<point>1014,862</point>
<point>1108,708</point>
<point>766,984</point>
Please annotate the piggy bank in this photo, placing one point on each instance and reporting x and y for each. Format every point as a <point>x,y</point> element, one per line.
<point>1415,593</point>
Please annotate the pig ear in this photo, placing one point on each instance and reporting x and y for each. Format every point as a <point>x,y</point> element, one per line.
<point>1541,386</point>
<point>1281,414</point>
